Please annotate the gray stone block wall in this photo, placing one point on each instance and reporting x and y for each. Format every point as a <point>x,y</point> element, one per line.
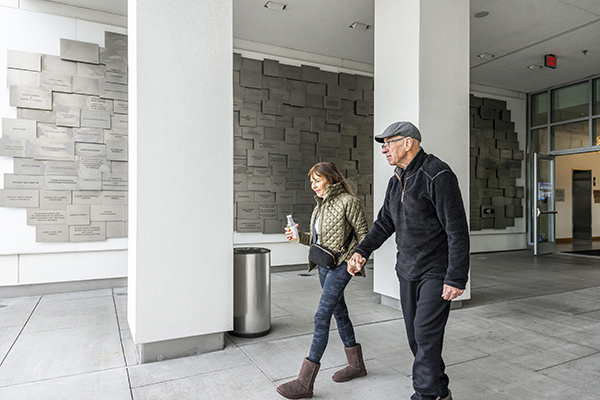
<point>495,164</point>
<point>286,119</point>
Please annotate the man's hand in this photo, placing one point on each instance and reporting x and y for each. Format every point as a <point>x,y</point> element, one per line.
<point>356,263</point>
<point>450,293</point>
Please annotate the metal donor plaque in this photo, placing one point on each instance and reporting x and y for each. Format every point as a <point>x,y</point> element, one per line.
<point>83,85</point>
<point>115,181</point>
<point>90,150</point>
<point>68,116</point>
<point>28,97</point>
<point>93,103</point>
<point>74,50</point>
<point>16,77</point>
<point>53,150</point>
<point>23,60</point>
<point>88,135</point>
<point>121,107</point>
<point>55,199</point>
<point>26,166</point>
<point>19,198</point>
<point>95,119</point>
<point>90,180</point>
<point>87,197</point>
<point>116,229</point>
<point>113,91</point>
<point>46,217</point>
<point>78,214</point>
<point>61,168</point>
<point>13,147</point>
<point>107,212</point>
<point>113,197</point>
<point>116,150</point>
<point>61,182</point>
<point>56,83</point>
<point>19,128</point>
<point>13,181</point>
<point>249,225</point>
<point>87,233</point>
<point>52,233</point>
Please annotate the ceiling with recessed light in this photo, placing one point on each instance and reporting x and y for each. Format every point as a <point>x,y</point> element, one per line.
<point>517,32</point>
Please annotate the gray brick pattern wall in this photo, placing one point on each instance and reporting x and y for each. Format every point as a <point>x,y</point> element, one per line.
<point>286,119</point>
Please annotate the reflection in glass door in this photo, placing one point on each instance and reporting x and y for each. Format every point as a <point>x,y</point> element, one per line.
<point>543,212</point>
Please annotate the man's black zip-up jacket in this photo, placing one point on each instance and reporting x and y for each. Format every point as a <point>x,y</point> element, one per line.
<point>424,207</point>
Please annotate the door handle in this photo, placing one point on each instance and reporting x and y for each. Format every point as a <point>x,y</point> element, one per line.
<point>539,212</point>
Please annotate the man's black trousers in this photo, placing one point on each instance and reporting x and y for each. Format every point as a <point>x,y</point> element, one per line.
<point>425,316</point>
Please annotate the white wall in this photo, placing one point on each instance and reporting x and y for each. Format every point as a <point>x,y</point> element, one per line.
<point>31,31</point>
<point>513,237</point>
<point>564,180</point>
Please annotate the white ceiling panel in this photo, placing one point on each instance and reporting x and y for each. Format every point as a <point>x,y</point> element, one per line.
<point>511,72</point>
<point>315,26</point>
<point>516,24</point>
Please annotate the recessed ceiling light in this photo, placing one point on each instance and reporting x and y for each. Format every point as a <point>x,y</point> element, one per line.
<point>271,5</point>
<point>482,14</point>
<point>534,66</point>
<point>486,56</point>
<point>360,26</point>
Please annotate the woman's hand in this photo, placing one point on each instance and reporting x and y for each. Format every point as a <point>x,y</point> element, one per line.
<point>356,263</point>
<point>288,233</point>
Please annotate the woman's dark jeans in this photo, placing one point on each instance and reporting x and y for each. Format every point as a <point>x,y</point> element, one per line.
<point>332,302</point>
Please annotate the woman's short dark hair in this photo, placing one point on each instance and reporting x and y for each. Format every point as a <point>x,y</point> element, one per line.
<point>329,171</point>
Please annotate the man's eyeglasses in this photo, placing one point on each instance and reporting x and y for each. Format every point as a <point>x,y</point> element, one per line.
<point>386,145</point>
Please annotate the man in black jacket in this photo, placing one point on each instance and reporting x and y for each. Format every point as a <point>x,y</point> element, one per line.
<point>424,208</point>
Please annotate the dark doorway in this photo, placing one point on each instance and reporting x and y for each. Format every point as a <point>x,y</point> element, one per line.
<point>582,205</point>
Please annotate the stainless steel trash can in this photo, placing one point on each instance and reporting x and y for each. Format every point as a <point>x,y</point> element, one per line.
<point>251,291</point>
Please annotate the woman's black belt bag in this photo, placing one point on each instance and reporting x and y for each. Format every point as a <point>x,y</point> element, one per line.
<point>325,257</point>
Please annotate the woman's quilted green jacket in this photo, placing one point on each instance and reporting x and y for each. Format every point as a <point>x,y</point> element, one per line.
<point>340,214</point>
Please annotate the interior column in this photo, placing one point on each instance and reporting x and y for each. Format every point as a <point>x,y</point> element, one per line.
<point>180,291</point>
<point>422,76</point>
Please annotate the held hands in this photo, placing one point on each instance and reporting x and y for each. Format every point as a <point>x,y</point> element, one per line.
<point>356,263</point>
<point>450,293</point>
<point>288,233</point>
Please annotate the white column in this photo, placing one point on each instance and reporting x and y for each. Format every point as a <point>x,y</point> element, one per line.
<point>180,297</point>
<point>422,76</point>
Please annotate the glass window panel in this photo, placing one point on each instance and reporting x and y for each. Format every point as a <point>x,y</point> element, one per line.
<point>570,136</point>
<point>596,127</point>
<point>539,109</point>
<point>570,102</point>
<point>539,144</point>
<point>596,103</point>
<point>539,141</point>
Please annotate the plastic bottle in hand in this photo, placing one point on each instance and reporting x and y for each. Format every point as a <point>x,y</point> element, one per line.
<point>291,225</point>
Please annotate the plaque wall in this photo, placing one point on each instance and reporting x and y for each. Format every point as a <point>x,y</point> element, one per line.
<point>286,119</point>
<point>496,163</point>
<point>69,140</point>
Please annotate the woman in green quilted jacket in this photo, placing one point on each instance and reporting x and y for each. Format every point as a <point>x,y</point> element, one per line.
<point>337,216</point>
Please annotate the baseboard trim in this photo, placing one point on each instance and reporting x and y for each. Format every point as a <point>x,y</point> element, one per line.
<point>570,240</point>
<point>60,287</point>
<point>181,347</point>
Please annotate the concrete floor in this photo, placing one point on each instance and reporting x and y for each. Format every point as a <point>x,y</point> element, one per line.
<point>531,331</point>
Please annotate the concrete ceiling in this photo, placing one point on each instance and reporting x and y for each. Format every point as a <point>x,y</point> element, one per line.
<point>518,32</point>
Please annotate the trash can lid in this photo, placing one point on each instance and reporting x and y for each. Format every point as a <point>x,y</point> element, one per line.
<point>250,250</point>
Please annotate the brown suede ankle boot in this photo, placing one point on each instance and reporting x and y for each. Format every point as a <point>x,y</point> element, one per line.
<point>356,367</point>
<point>301,387</point>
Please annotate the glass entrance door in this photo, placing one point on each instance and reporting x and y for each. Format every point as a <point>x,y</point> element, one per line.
<point>543,212</point>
